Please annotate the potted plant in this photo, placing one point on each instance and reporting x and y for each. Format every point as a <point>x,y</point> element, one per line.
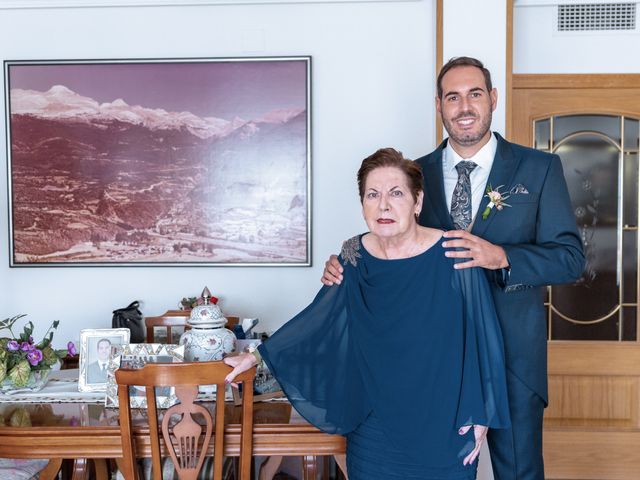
<point>25,364</point>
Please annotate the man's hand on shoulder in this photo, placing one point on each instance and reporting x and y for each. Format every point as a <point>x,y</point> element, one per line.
<point>480,252</point>
<point>332,274</point>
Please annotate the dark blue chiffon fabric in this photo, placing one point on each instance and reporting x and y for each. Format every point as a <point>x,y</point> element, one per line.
<point>398,357</point>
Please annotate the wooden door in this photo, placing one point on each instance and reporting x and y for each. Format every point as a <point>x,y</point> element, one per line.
<point>592,424</point>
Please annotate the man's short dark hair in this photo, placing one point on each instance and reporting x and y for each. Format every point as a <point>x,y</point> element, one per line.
<point>464,62</point>
<point>103,340</point>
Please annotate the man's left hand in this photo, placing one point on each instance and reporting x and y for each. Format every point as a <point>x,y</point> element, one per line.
<point>479,252</point>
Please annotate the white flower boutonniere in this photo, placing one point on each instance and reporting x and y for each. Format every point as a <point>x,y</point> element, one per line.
<point>496,199</point>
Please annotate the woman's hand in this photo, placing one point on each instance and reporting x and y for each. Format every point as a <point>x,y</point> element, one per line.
<point>240,363</point>
<point>480,433</point>
<point>332,273</point>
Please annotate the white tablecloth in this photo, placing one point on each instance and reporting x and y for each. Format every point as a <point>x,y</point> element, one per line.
<point>62,387</point>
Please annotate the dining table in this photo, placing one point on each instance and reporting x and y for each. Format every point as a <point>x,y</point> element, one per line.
<point>80,428</point>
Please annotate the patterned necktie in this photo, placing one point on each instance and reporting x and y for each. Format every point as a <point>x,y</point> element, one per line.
<point>461,198</point>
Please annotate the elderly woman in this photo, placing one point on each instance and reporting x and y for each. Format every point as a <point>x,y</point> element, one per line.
<point>405,356</point>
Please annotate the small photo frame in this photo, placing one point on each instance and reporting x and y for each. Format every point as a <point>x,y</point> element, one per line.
<point>137,355</point>
<point>95,352</point>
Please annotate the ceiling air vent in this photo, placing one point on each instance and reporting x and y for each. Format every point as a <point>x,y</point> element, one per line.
<point>596,17</point>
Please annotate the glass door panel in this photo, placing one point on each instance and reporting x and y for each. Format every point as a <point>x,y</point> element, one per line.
<point>599,155</point>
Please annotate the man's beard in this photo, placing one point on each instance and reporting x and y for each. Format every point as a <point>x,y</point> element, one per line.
<point>468,138</point>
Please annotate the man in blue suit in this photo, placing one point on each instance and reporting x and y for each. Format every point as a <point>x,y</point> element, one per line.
<point>524,242</point>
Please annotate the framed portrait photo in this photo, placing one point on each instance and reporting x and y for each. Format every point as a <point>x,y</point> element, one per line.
<point>95,354</point>
<point>137,355</point>
<point>159,162</point>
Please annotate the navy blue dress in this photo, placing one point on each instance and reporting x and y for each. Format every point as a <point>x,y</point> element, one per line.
<point>397,358</point>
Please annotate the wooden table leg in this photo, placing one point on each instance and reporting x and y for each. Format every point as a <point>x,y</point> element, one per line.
<point>120,465</point>
<point>51,470</point>
<point>341,460</point>
<point>270,467</point>
<point>309,467</point>
<point>80,469</point>
<point>102,472</point>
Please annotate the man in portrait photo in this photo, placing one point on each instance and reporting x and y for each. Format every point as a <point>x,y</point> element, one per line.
<point>97,370</point>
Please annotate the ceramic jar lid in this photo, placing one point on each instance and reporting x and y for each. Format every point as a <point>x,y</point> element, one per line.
<point>207,315</point>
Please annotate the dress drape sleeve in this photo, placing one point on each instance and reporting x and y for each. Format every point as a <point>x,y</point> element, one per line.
<point>312,358</point>
<point>483,394</point>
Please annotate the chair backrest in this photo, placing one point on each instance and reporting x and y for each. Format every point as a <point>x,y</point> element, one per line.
<point>188,441</point>
<point>168,321</point>
<point>176,318</point>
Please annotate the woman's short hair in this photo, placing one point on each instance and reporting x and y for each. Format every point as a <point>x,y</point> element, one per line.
<point>390,157</point>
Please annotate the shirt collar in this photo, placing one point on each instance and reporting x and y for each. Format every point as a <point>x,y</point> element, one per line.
<point>483,157</point>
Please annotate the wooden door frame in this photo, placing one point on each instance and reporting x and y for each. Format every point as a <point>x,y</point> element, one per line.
<point>592,426</point>
<point>589,83</point>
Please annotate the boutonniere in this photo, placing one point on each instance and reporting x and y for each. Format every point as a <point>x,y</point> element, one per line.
<point>496,199</point>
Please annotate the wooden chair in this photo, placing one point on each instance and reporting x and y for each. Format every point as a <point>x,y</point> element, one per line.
<point>176,319</point>
<point>186,442</point>
<point>168,321</point>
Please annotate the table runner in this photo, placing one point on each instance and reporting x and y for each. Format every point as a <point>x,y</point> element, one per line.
<point>62,387</point>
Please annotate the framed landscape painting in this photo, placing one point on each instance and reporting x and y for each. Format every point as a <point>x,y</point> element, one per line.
<point>159,162</point>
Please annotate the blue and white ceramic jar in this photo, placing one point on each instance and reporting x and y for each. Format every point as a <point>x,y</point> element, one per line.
<point>207,340</point>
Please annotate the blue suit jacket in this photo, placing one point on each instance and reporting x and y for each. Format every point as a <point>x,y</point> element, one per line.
<point>539,235</point>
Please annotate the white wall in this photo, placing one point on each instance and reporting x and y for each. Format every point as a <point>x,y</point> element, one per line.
<point>373,86</point>
<point>478,29</point>
<point>539,48</point>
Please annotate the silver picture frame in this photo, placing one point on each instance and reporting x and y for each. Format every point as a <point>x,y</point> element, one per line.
<point>136,355</point>
<point>95,352</point>
<point>168,162</point>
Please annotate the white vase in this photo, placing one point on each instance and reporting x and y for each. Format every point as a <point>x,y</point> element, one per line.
<point>207,340</point>
<point>202,344</point>
<point>37,380</point>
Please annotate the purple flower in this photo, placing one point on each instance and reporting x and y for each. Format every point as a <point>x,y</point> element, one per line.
<point>13,346</point>
<point>30,339</point>
<point>71,349</point>
<point>34,357</point>
<point>25,346</point>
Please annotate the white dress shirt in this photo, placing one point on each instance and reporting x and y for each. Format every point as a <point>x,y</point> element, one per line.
<point>483,158</point>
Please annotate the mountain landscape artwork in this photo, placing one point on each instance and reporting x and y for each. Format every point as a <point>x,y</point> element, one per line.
<point>159,162</point>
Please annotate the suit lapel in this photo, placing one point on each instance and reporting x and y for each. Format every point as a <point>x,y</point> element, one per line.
<point>502,171</point>
<point>434,186</point>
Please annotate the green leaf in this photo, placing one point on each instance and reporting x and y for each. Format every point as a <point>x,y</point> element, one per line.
<point>62,353</point>
<point>3,355</point>
<point>49,356</point>
<point>23,337</point>
<point>20,418</point>
<point>55,324</point>
<point>28,330</point>
<point>19,374</point>
<point>8,322</point>
<point>3,370</point>
<point>4,341</point>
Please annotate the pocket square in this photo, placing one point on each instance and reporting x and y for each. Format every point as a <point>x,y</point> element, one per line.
<point>519,188</point>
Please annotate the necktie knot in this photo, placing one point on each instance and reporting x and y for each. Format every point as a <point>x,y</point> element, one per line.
<point>465,167</point>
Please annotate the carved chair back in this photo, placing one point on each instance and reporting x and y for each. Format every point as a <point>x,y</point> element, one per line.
<point>187,440</point>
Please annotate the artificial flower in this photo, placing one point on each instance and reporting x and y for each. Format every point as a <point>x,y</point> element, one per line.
<point>496,199</point>
<point>20,355</point>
